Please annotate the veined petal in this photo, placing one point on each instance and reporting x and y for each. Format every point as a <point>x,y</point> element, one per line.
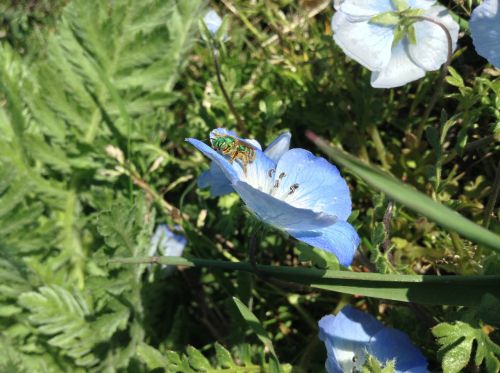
<point>400,70</point>
<point>485,30</point>
<point>212,21</point>
<point>279,146</point>
<point>388,344</point>
<point>339,239</point>
<point>421,4</point>
<point>278,213</point>
<point>348,335</point>
<point>365,8</point>
<point>367,43</point>
<point>232,173</point>
<point>310,182</point>
<point>257,171</point>
<point>216,180</point>
<point>431,48</point>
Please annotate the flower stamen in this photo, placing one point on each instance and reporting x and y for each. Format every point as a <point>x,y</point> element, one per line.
<point>293,188</point>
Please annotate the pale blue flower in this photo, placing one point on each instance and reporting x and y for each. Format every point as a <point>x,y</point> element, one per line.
<point>166,243</point>
<point>353,334</point>
<point>212,21</point>
<point>363,33</point>
<point>485,29</point>
<point>218,182</point>
<point>294,191</point>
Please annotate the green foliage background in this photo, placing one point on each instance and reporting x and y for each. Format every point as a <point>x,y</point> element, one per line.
<point>96,98</point>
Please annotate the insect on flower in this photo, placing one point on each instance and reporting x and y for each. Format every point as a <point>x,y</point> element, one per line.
<point>235,149</point>
<point>291,190</point>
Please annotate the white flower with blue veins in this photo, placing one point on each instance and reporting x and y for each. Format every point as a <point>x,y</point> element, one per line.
<point>167,243</point>
<point>294,191</point>
<point>212,21</point>
<point>485,29</point>
<point>388,38</point>
<point>351,335</point>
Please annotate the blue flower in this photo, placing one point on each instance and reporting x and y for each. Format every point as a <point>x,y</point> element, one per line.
<point>382,37</point>
<point>166,243</point>
<point>485,28</point>
<point>294,191</point>
<point>353,334</point>
<point>212,21</point>
<point>216,179</point>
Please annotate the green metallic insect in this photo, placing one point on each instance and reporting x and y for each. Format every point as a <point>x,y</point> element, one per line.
<point>235,149</point>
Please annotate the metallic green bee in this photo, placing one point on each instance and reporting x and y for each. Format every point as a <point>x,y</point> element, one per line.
<point>235,149</point>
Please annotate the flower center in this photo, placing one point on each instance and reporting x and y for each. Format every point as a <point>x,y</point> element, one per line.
<point>402,20</point>
<point>278,189</point>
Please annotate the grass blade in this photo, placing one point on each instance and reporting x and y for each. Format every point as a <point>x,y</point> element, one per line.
<point>409,197</point>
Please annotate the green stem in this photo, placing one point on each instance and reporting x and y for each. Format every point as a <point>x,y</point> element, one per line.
<point>493,197</point>
<point>442,76</point>
<point>379,146</point>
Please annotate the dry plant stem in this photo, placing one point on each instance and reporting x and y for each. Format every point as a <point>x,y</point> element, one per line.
<point>168,208</point>
<point>312,13</point>
<point>493,197</point>
<point>239,122</point>
<point>439,86</point>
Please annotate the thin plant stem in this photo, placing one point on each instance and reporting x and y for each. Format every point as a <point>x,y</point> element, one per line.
<point>442,76</point>
<point>379,146</point>
<point>493,197</point>
<point>215,56</point>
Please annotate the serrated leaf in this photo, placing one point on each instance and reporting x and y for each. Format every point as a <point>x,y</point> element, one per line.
<point>151,356</point>
<point>456,341</point>
<point>223,356</point>
<point>196,360</point>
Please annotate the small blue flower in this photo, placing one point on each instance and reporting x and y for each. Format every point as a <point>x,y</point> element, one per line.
<point>216,179</point>
<point>212,21</point>
<point>379,36</point>
<point>294,191</point>
<point>353,334</point>
<point>166,243</point>
<point>485,29</point>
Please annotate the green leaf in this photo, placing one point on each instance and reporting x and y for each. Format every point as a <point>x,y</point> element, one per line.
<point>223,356</point>
<point>439,290</point>
<point>386,19</point>
<point>410,197</point>
<point>254,324</point>
<point>196,360</point>
<point>456,341</point>
<point>62,315</point>
<point>151,356</point>
<point>489,310</point>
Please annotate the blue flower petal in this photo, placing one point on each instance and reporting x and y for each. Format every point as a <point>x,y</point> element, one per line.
<point>352,333</point>
<point>400,70</point>
<point>389,344</point>
<point>233,174</point>
<point>421,4</point>
<point>364,8</point>
<point>485,29</point>
<point>216,180</point>
<point>339,239</point>
<point>316,184</point>
<point>431,49</point>
<point>212,21</point>
<point>347,336</point>
<point>367,43</point>
<point>278,147</point>
<point>279,213</point>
